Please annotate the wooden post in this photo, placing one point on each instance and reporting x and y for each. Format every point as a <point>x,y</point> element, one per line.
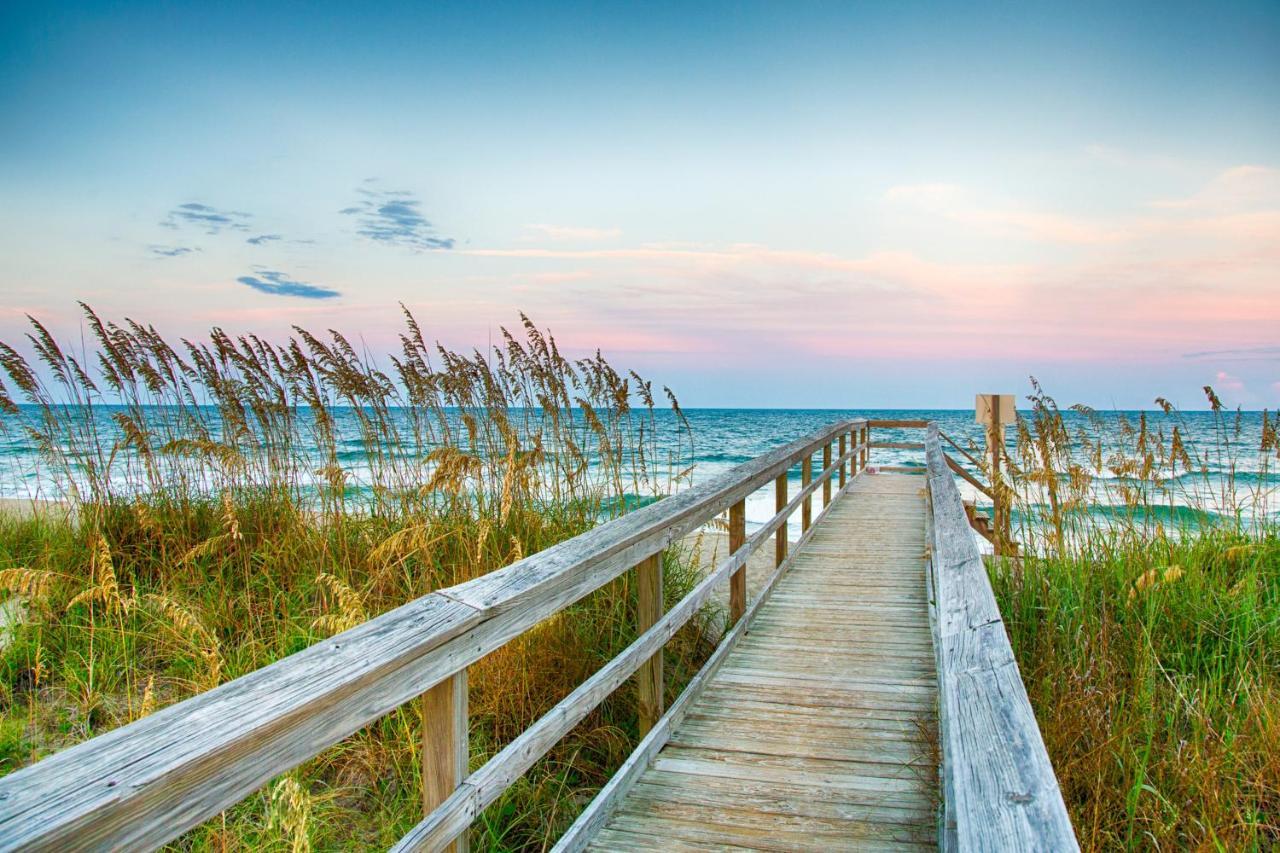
<point>445,746</point>
<point>649,609</point>
<point>994,410</point>
<point>779,504</point>
<point>806,477</point>
<point>864,435</point>
<point>826,484</point>
<point>844,448</point>
<point>738,580</point>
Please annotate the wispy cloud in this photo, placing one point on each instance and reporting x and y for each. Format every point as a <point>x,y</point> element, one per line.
<point>210,219</point>
<point>1244,353</point>
<point>171,251</point>
<point>1241,204</point>
<point>278,284</point>
<point>569,232</point>
<point>263,238</point>
<point>959,205</point>
<point>394,217</point>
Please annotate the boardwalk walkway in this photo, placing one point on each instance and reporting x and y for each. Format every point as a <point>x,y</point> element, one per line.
<point>819,730</point>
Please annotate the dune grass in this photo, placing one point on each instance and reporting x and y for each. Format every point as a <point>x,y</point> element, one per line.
<point>1149,639</point>
<point>235,502</point>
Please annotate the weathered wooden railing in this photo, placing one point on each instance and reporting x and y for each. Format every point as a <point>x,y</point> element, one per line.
<point>999,788</point>
<point>148,782</point>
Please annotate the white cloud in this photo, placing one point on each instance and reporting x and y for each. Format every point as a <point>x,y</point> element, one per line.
<point>569,232</point>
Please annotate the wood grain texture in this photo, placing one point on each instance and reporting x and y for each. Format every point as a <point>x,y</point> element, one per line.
<point>826,463</point>
<point>1003,794</point>
<point>737,538</point>
<point>806,476</point>
<point>148,782</point>
<point>445,745</point>
<point>649,607</point>
<point>817,730</point>
<point>780,501</point>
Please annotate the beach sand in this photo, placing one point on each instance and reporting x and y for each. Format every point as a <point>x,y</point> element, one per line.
<point>712,547</point>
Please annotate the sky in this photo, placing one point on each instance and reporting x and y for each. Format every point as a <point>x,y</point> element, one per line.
<point>774,204</point>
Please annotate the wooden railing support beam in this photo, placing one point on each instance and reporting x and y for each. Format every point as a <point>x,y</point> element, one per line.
<point>826,484</point>
<point>779,504</point>
<point>738,580</point>
<point>806,477</point>
<point>445,745</point>
<point>844,448</point>
<point>649,609</point>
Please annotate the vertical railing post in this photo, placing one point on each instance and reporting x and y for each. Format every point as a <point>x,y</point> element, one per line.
<point>649,609</point>
<point>806,477</point>
<point>779,504</point>
<point>844,448</point>
<point>826,484</point>
<point>445,746</point>
<point>737,580</point>
<point>866,451</point>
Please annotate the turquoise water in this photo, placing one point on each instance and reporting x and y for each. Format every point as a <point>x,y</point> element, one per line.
<point>718,439</point>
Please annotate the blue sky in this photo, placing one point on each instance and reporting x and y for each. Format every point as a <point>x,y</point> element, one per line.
<point>759,204</point>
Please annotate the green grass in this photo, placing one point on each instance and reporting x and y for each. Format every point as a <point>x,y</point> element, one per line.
<point>1149,640</point>
<point>1154,670</point>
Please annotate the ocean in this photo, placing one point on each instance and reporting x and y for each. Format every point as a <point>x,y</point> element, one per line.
<point>1225,447</point>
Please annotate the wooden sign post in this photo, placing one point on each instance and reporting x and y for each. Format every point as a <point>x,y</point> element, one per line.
<point>994,411</point>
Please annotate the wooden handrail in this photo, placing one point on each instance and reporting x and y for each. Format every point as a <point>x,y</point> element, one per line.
<point>969,478</point>
<point>999,788</point>
<point>898,424</point>
<point>146,783</point>
<point>967,455</point>
<point>896,445</point>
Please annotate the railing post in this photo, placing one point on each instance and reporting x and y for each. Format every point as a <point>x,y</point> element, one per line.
<point>445,746</point>
<point>649,609</point>
<point>826,484</point>
<point>806,477</point>
<point>866,451</point>
<point>737,580</point>
<point>779,504</point>
<point>844,448</point>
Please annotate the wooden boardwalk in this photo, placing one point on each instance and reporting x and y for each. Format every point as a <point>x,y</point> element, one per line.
<point>819,729</point>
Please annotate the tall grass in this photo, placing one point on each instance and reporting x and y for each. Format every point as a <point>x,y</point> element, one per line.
<point>231,501</point>
<point>1148,634</point>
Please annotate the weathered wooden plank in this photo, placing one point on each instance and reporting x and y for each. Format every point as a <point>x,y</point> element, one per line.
<point>902,782</point>
<point>649,607</point>
<point>896,445</point>
<point>1002,788</point>
<point>738,580</point>
<point>445,745</point>
<point>806,475</point>
<point>799,828</point>
<point>781,798</point>
<point>897,424</point>
<point>826,463</point>
<point>779,502</point>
